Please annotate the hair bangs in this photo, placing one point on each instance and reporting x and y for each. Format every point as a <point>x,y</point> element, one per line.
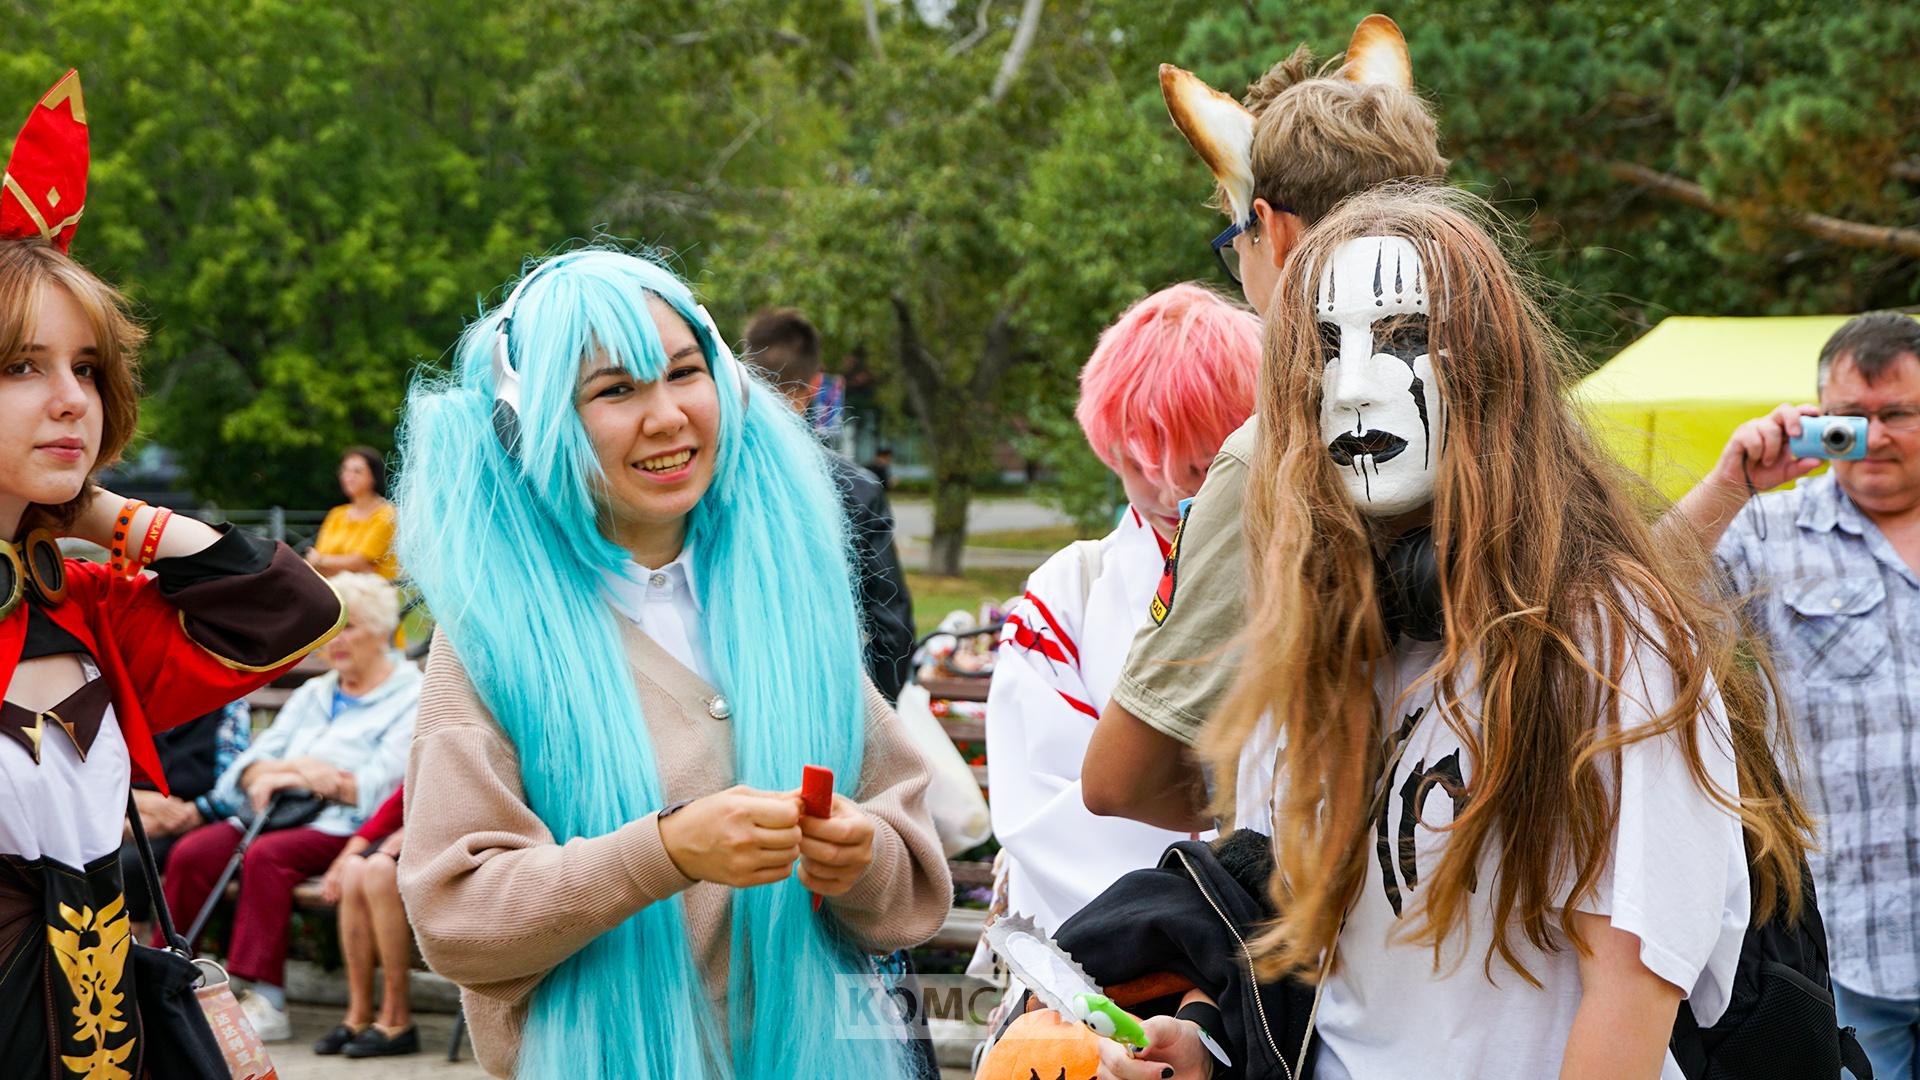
<point>1170,380</point>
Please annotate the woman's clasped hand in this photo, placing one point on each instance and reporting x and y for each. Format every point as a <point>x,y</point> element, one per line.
<point>743,837</point>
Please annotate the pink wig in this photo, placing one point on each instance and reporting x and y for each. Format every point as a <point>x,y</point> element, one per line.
<point>1170,380</point>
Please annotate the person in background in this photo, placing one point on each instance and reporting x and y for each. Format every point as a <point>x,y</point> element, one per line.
<point>357,537</point>
<point>882,466</point>
<point>1831,575</point>
<point>342,736</point>
<point>786,346</point>
<point>193,756</point>
<point>1168,382</point>
<point>373,929</point>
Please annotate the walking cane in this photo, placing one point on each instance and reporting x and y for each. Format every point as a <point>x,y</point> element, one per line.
<point>239,852</point>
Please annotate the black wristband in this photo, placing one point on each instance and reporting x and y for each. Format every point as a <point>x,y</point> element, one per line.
<point>1206,1016</point>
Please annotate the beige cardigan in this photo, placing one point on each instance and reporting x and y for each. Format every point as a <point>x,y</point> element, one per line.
<point>496,903</point>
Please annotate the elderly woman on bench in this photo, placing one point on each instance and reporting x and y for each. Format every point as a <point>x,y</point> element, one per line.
<point>342,736</point>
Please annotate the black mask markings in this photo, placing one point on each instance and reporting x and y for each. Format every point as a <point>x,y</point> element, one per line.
<point>1419,392</point>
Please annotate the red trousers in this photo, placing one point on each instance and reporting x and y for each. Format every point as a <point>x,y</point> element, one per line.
<point>275,863</point>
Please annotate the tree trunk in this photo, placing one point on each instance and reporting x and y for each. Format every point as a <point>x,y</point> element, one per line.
<point>956,423</point>
<point>953,472</point>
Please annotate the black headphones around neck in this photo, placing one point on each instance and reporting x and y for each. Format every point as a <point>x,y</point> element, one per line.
<point>1407,582</point>
<point>34,563</point>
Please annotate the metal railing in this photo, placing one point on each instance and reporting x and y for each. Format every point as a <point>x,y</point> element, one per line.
<point>296,528</point>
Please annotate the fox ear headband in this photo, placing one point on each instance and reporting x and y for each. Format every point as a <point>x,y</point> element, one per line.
<point>506,378</point>
<point>1220,129</point>
<point>43,191</point>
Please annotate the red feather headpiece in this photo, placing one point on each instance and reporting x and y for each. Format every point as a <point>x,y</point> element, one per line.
<point>44,190</point>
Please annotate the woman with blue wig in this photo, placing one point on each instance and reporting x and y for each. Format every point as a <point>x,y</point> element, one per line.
<point>647,627</point>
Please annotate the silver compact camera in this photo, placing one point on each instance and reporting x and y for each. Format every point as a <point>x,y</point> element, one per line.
<point>1837,438</point>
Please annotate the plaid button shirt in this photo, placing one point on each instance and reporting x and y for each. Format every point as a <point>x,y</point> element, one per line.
<point>1842,612</point>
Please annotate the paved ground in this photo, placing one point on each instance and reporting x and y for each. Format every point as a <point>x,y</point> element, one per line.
<point>296,1060</point>
<point>913,525</point>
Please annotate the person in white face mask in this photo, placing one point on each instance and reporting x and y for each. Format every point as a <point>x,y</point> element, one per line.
<point>1498,736</point>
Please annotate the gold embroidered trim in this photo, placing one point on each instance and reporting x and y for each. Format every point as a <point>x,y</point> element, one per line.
<point>47,232</point>
<point>95,974</point>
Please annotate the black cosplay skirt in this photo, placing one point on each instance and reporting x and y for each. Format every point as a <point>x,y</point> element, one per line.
<point>67,1007</point>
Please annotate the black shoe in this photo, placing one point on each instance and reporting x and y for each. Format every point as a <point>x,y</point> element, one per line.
<point>372,1043</point>
<point>336,1040</point>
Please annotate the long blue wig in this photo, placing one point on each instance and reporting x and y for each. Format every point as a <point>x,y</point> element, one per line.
<point>506,550</point>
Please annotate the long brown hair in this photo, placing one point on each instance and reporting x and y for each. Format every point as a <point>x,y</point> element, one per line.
<point>26,266</point>
<point>1551,579</point>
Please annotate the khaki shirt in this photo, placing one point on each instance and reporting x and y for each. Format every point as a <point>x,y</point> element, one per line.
<point>1184,658</point>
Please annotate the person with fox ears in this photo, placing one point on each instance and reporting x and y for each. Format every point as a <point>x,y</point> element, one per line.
<point>1308,136</point>
<point>96,658</point>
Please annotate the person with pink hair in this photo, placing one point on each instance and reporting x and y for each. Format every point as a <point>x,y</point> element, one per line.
<point>1166,385</point>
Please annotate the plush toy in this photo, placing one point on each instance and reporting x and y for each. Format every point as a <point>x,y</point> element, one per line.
<point>1042,1046</point>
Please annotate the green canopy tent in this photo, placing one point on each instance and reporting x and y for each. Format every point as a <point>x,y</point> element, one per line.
<point>1666,404</point>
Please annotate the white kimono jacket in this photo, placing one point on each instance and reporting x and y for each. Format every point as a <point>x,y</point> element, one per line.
<point>1060,655</point>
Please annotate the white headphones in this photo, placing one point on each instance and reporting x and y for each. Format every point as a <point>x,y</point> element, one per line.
<point>506,379</point>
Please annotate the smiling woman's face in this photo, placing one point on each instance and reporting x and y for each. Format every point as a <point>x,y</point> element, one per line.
<point>1380,409</point>
<point>655,441</point>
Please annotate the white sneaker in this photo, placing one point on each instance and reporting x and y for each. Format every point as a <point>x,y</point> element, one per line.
<point>269,1023</point>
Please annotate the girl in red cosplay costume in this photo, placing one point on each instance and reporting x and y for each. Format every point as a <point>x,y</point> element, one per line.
<point>94,659</point>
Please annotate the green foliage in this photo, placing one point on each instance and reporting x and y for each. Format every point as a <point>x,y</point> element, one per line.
<point>308,200</point>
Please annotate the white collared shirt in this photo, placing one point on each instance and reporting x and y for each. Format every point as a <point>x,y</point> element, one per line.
<point>665,606</point>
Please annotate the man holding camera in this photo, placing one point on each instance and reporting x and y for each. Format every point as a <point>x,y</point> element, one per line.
<point>1830,572</point>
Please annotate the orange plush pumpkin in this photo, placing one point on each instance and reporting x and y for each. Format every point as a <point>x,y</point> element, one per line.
<point>1042,1046</point>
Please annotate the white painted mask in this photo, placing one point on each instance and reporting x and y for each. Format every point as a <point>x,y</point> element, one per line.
<point>1380,410</point>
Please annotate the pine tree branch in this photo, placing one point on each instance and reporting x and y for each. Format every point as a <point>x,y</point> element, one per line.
<point>1834,230</point>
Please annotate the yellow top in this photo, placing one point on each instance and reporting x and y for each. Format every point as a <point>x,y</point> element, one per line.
<point>371,536</point>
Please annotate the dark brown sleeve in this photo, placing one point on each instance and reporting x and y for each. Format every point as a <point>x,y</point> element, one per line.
<point>252,603</point>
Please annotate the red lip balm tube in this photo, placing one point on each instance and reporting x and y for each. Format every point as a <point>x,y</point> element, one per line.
<point>816,795</point>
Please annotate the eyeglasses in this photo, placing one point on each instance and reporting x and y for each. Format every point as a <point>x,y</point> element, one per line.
<point>1904,419</point>
<point>1229,256</point>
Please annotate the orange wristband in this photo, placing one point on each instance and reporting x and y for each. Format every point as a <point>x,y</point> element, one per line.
<point>152,543</point>
<point>122,526</point>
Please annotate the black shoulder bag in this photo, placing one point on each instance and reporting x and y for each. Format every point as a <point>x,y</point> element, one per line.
<point>180,1042</point>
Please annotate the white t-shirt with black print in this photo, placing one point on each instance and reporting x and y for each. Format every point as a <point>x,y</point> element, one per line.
<point>1677,880</point>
